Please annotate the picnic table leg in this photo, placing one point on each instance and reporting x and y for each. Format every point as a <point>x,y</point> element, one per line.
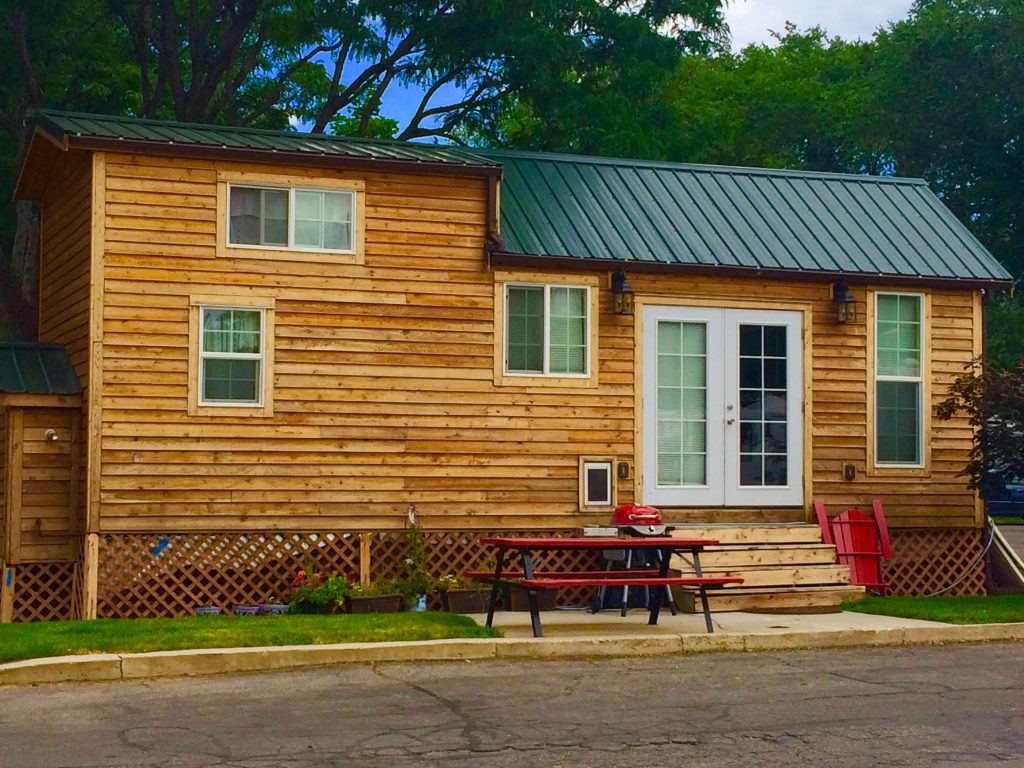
<point>703,594</point>
<point>494,586</point>
<point>668,590</point>
<point>531,594</point>
<point>655,605</point>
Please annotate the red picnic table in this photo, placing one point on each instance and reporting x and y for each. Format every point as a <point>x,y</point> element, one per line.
<point>533,580</point>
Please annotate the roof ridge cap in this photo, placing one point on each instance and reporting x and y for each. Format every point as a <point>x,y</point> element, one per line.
<point>698,167</point>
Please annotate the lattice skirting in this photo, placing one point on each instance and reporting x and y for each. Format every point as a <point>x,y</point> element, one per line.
<point>927,560</point>
<point>46,592</point>
<point>169,575</point>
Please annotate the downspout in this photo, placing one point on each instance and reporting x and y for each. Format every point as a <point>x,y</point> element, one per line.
<point>492,237</point>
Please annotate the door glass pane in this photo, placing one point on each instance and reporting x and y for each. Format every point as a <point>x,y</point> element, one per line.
<point>524,334</point>
<point>898,403</point>
<point>763,459</point>
<point>681,406</point>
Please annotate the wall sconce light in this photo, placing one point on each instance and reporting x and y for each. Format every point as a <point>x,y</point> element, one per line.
<point>622,293</point>
<point>846,306</point>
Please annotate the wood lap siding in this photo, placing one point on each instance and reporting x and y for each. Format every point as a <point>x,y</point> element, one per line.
<point>64,242</point>
<point>384,392</point>
<point>384,384</point>
<point>47,492</point>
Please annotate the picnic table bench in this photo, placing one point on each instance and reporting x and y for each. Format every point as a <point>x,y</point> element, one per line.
<point>534,580</point>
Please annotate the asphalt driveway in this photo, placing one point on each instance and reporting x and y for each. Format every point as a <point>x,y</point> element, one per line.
<point>943,706</point>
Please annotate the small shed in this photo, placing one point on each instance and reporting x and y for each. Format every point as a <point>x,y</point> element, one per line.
<point>41,510</point>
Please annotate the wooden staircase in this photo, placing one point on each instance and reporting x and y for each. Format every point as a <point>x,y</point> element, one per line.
<point>785,567</point>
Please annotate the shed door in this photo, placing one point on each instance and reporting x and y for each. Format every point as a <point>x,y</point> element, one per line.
<point>723,407</point>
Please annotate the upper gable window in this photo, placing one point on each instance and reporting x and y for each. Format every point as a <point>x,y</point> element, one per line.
<point>291,218</point>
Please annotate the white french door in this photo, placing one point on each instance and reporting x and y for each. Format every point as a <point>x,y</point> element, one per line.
<point>723,407</point>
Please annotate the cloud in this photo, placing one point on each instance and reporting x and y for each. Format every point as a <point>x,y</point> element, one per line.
<point>751,20</point>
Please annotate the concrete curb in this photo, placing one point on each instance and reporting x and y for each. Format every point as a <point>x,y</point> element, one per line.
<point>212,661</point>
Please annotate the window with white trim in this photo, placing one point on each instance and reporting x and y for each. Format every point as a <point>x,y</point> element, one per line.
<point>291,218</point>
<point>547,330</point>
<point>597,484</point>
<point>899,379</point>
<point>231,356</point>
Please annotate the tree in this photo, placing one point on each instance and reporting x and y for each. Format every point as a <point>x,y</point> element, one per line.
<point>993,400</point>
<point>951,85</point>
<point>329,64</point>
<point>38,67</point>
<point>802,104</point>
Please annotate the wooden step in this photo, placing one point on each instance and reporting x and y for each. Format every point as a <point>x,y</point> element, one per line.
<point>766,554</point>
<point>781,533</point>
<point>824,575</point>
<point>793,600</point>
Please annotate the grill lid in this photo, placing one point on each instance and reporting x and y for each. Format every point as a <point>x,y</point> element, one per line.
<point>633,515</point>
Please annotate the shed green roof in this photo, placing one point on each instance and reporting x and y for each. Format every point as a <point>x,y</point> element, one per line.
<point>636,212</point>
<point>70,126</point>
<point>37,369</point>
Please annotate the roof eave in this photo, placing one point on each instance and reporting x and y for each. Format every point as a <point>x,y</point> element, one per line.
<point>104,143</point>
<point>38,134</point>
<point>513,259</point>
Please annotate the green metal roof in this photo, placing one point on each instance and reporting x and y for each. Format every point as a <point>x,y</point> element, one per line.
<point>631,211</point>
<point>37,369</point>
<point>61,126</point>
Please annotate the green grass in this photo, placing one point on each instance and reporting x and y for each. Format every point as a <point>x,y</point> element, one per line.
<point>992,609</point>
<point>30,641</point>
<point>1002,520</point>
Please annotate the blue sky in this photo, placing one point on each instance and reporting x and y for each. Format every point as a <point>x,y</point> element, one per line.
<point>750,21</point>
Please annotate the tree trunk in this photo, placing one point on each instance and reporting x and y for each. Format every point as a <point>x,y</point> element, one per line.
<point>20,297</point>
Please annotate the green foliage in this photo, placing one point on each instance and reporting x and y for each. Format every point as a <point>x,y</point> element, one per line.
<point>416,578</point>
<point>986,609</point>
<point>316,594</point>
<point>60,638</point>
<point>802,104</point>
<point>1004,331</point>
<point>375,588</point>
<point>992,398</point>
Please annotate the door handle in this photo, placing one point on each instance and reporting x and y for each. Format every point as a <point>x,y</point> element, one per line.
<point>730,421</point>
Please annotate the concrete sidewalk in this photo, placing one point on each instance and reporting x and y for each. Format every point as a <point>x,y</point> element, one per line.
<point>608,623</point>
<point>570,635</point>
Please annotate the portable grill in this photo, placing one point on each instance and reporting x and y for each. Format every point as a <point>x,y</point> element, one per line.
<point>632,520</point>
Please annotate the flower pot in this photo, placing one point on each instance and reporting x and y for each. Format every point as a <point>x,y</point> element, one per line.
<point>245,610</point>
<point>518,600</point>
<point>374,604</point>
<point>208,610</point>
<point>465,600</point>
<point>272,609</point>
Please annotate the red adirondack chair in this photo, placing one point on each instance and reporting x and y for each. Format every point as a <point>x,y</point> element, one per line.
<point>861,541</point>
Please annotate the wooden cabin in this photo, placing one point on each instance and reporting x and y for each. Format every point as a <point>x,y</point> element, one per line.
<point>292,338</point>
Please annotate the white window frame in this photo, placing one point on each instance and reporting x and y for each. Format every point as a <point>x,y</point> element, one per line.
<point>260,357</point>
<point>919,380</point>
<point>586,501</point>
<point>291,190</point>
<point>546,372</point>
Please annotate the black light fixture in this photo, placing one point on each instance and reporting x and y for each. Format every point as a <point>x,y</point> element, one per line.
<point>622,292</point>
<point>845,304</point>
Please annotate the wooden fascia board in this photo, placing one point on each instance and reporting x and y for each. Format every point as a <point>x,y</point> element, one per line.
<point>279,157</point>
<point>568,263</point>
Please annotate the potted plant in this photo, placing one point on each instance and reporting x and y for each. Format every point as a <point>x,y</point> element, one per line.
<point>312,593</point>
<point>460,595</point>
<point>376,597</point>
<point>416,582</point>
